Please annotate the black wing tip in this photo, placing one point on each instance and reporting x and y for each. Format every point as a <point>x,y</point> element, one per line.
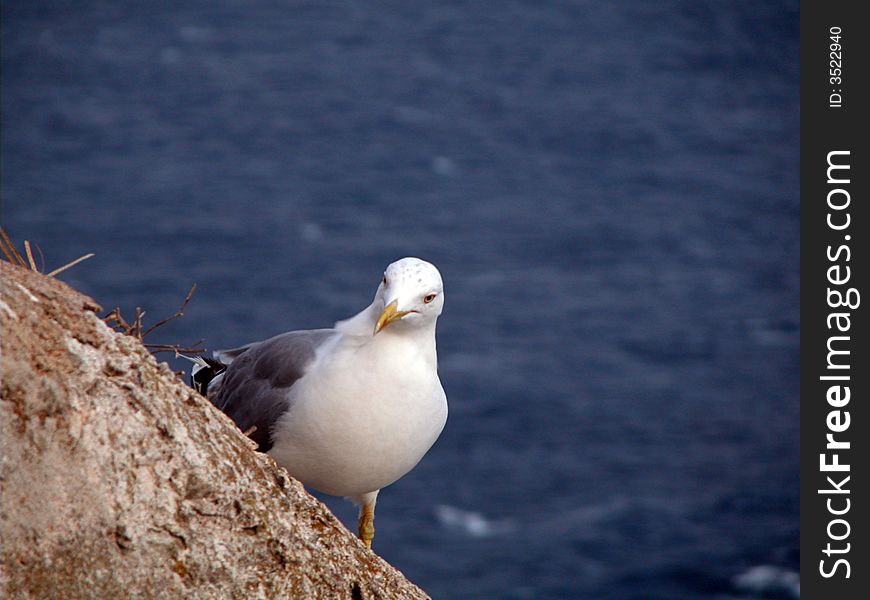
<point>203,372</point>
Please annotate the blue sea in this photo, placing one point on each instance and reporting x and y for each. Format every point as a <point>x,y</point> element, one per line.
<point>610,190</point>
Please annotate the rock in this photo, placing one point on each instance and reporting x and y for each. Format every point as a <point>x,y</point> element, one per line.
<point>117,480</point>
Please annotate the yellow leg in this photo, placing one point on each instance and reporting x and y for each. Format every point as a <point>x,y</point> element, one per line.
<point>367,523</point>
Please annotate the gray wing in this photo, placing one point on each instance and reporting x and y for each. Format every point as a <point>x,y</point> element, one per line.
<point>253,390</point>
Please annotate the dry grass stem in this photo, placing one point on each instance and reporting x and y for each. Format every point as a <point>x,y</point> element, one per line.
<point>13,256</point>
<point>71,264</point>
<point>41,258</point>
<point>9,250</point>
<point>29,256</point>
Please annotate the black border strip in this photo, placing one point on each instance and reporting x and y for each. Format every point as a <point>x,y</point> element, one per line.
<point>835,226</point>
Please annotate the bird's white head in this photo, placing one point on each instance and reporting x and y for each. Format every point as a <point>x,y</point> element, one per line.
<point>412,294</point>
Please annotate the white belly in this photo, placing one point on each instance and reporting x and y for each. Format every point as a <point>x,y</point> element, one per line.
<point>354,431</point>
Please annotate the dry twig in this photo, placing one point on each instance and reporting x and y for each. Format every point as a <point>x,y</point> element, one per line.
<point>177,349</point>
<point>178,313</point>
<point>116,320</point>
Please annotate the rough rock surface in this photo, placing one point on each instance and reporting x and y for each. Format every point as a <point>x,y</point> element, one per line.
<point>118,481</point>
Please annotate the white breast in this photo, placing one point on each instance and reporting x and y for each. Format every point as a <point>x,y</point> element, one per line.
<point>362,418</point>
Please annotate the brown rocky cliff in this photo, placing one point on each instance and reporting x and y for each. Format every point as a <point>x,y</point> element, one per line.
<point>116,480</point>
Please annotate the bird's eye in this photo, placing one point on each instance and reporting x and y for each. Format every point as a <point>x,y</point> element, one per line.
<point>385,280</point>
<point>429,298</point>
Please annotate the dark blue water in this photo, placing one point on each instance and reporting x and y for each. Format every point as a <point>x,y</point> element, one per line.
<point>610,191</point>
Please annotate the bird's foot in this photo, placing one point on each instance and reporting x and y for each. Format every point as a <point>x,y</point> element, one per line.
<point>367,524</point>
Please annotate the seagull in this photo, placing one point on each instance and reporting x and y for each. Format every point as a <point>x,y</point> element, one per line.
<point>348,410</point>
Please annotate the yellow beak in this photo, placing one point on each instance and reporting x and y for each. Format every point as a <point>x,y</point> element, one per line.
<point>389,315</point>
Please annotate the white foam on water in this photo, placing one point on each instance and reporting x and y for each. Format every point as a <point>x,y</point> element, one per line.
<point>470,523</point>
<point>767,579</point>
